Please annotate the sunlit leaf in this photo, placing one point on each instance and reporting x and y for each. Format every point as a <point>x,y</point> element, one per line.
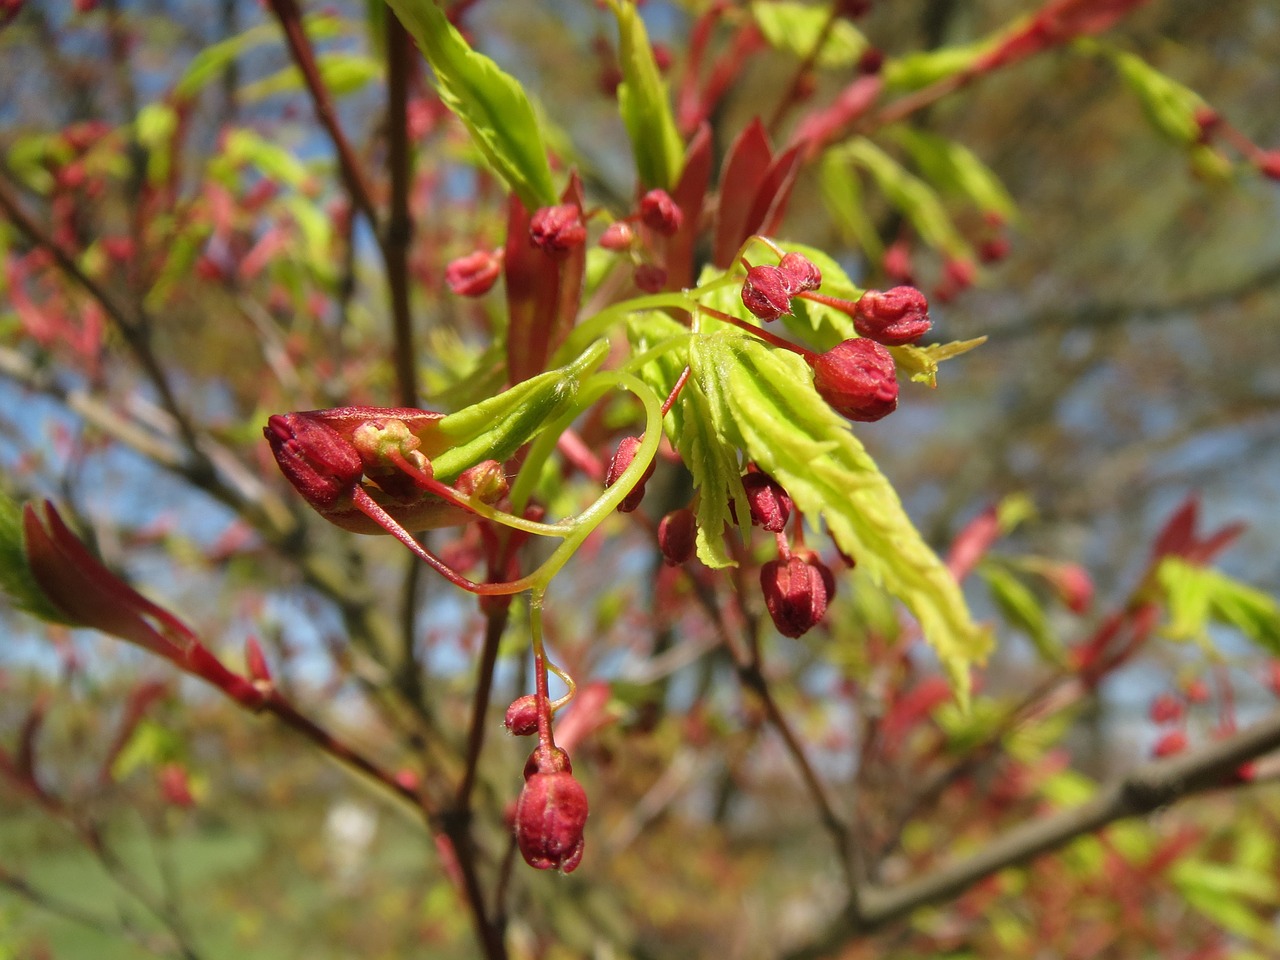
<point>643,102</point>
<point>956,170</point>
<point>1198,596</point>
<point>1021,609</point>
<point>922,361</point>
<point>341,74</point>
<point>207,65</point>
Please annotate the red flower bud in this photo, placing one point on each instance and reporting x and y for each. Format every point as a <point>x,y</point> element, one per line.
<point>321,464</point>
<point>486,482</point>
<point>522,716</point>
<point>766,292</point>
<point>1268,164</point>
<point>677,536</point>
<point>557,230</point>
<point>1166,708</point>
<point>650,277</point>
<point>659,213</point>
<point>802,272</point>
<point>545,759</point>
<point>473,275</point>
<point>770,505</point>
<point>796,593</point>
<point>1170,744</point>
<point>622,458</point>
<point>871,61</point>
<point>892,317</point>
<point>617,236</point>
<point>857,377</point>
<point>550,817</point>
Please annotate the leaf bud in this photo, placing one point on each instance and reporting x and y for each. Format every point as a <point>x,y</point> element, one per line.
<point>557,230</point>
<point>766,292</point>
<point>475,274</point>
<point>802,272</point>
<point>622,458</point>
<point>677,536</point>
<point>321,464</point>
<point>892,317</point>
<point>796,592</point>
<point>522,716</point>
<point>857,377</point>
<point>551,815</point>
<point>659,213</point>
<point>770,505</point>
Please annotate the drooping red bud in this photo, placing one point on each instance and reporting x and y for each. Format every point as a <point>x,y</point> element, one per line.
<point>770,505</point>
<point>801,271</point>
<point>796,593</point>
<point>551,815</point>
<point>617,236</point>
<point>858,378</point>
<point>1166,708</point>
<point>766,292</point>
<point>475,274</point>
<point>557,230</point>
<point>677,536</point>
<point>660,213</point>
<point>650,277</point>
<point>1170,744</point>
<point>545,759</point>
<point>892,317</point>
<point>622,458</point>
<point>522,716</point>
<point>321,464</point>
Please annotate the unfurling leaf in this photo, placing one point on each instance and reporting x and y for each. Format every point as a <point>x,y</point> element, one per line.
<point>645,107</point>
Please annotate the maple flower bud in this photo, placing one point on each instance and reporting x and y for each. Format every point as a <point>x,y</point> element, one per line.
<point>650,277</point>
<point>857,377</point>
<point>802,272</point>
<point>617,236</point>
<point>557,230</point>
<point>892,317</point>
<point>1170,744</point>
<point>766,292</point>
<point>622,458</point>
<point>473,275</point>
<point>677,536</point>
<point>796,593</point>
<point>770,505</point>
<point>321,464</point>
<point>522,716</point>
<point>659,213</point>
<point>546,759</point>
<point>486,482</point>
<point>550,817</point>
<point>1166,708</point>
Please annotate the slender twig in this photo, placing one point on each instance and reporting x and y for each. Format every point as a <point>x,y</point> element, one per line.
<point>495,625</point>
<point>399,231</point>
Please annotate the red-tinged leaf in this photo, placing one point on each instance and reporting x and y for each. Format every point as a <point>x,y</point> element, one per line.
<point>1178,534</point>
<point>972,543</point>
<point>771,202</point>
<point>690,112</point>
<point>256,661</point>
<point>1206,550</point>
<point>573,271</point>
<point>25,761</point>
<point>823,126</point>
<point>140,699</point>
<point>533,297</point>
<point>588,713</point>
<point>745,167</point>
<point>910,709</point>
<point>690,194</point>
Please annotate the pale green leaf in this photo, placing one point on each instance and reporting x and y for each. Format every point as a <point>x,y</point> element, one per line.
<point>956,171</point>
<point>644,104</point>
<point>916,70</point>
<point>716,475</point>
<point>341,74</point>
<point>917,201</point>
<point>490,103</point>
<point>922,361</point>
<point>766,397</point>
<point>1197,596</point>
<point>207,65</point>
<point>1169,106</point>
<point>1021,609</point>
<point>842,195</point>
<point>242,146</point>
<point>797,27</point>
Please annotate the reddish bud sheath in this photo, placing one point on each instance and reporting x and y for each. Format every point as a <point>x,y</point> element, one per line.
<point>550,817</point>
<point>659,213</point>
<point>892,317</point>
<point>557,230</point>
<point>617,236</point>
<point>473,275</point>
<point>770,505</point>
<point>857,377</point>
<point>622,458</point>
<point>320,463</point>
<point>650,277</point>
<point>766,292</point>
<point>802,272</point>
<point>522,716</point>
<point>796,593</point>
<point>1170,744</point>
<point>677,536</point>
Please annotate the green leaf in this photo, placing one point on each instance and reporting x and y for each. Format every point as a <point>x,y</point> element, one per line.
<point>1021,609</point>
<point>243,146</point>
<point>764,400</point>
<point>149,745</point>
<point>341,74</point>
<point>496,428</point>
<point>207,65</point>
<point>155,126</point>
<point>918,201</point>
<point>916,70</point>
<point>490,103</point>
<point>842,194</point>
<point>716,470</point>
<point>797,27</point>
<point>922,362</point>
<point>644,105</point>
<point>1198,596</point>
<point>1169,106</point>
<point>956,170</point>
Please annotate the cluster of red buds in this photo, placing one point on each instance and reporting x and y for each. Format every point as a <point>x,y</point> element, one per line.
<point>551,812</point>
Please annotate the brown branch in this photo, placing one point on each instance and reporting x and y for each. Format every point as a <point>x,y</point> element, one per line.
<point>1148,787</point>
<point>399,232</point>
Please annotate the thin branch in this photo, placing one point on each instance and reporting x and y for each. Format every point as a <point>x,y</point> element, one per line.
<point>495,626</point>
<point>1148,787</point>
<point>399,232</point>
